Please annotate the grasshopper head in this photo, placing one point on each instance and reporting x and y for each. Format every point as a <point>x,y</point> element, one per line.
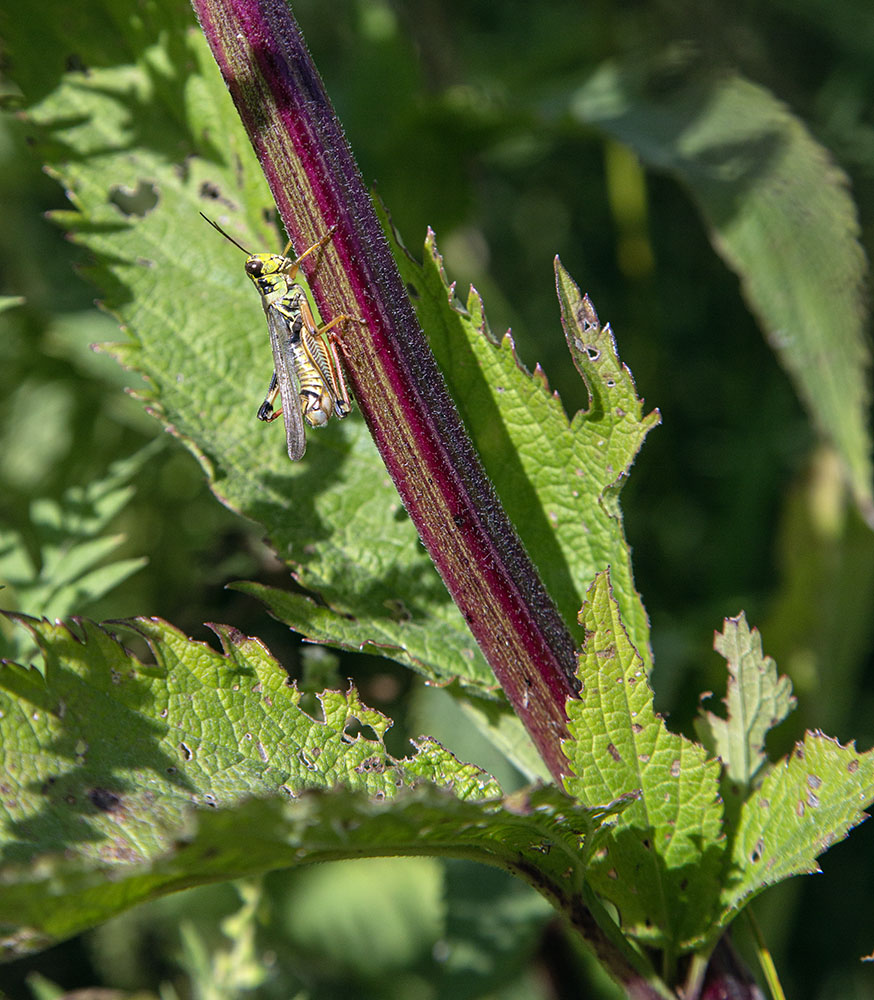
<point>262,265</point>
<point>269,272</point>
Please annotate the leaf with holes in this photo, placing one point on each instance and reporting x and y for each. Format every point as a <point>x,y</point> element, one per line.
<point>661,866</point>
<point>124,780</point>
<point>807,801</point>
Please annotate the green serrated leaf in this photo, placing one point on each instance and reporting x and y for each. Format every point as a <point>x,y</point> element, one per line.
<point>807,801</point>
<point>662,863</point>
<point>757,699</point>
<point>116,771</point>
<point>398,635</point>
<point>556,478</point>
<point>60,895</point>
<point>778,213</point>
<point>232,723</point>
<point>117,137</point>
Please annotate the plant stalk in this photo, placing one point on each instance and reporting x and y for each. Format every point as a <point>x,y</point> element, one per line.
<point>394,377</point>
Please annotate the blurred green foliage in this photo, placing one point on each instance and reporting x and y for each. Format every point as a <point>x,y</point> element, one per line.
<point>457,112</point>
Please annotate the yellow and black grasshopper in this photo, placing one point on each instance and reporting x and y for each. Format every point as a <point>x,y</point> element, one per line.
<point>307,374</point>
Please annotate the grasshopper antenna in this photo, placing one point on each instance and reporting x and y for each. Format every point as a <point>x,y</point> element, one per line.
<point>230,239</point>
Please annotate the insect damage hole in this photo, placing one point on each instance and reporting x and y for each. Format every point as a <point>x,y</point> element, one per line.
<point>354,729</point>
<point>138,201</point>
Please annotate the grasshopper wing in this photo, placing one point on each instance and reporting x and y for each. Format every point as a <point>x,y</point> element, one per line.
<point>289,385</point>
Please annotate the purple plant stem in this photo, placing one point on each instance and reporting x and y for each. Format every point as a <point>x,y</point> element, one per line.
<point>394,377</point>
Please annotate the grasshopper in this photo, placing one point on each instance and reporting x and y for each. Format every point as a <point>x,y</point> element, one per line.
<point>307,374</point>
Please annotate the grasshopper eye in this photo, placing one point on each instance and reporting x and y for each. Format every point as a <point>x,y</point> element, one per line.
<point>254,267</point>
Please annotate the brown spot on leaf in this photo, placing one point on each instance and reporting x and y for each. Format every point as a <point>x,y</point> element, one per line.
<point>104,800</point>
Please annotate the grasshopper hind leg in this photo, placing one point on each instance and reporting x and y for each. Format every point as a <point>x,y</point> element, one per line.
<point>266,410</point>
<point>342,401</point>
